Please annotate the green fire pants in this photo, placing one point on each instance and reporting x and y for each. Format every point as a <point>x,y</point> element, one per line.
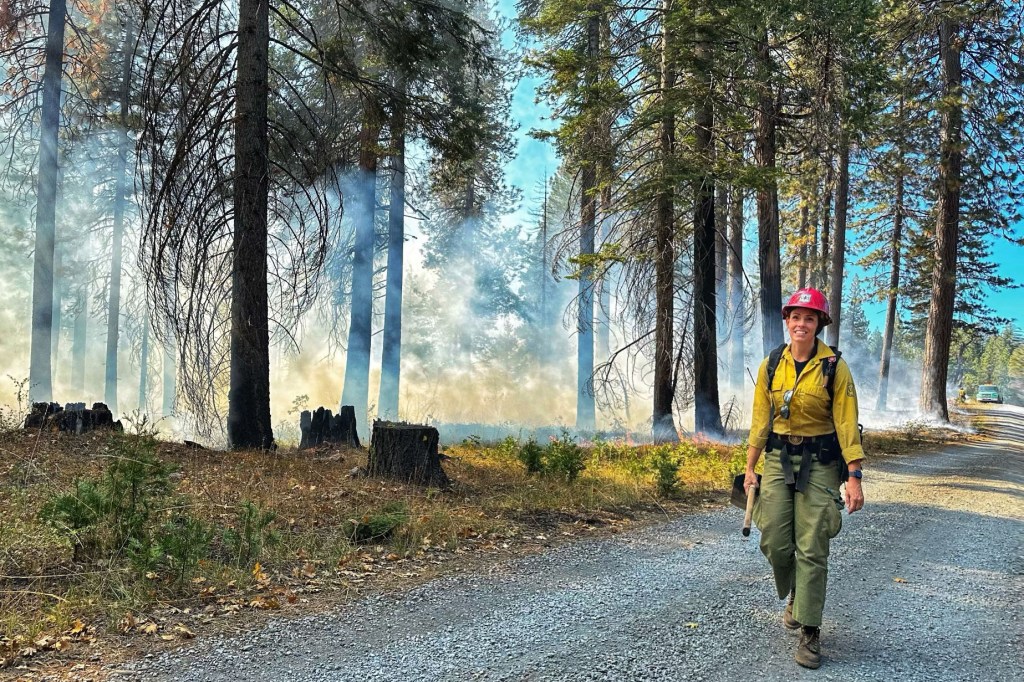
<point>795,531</point>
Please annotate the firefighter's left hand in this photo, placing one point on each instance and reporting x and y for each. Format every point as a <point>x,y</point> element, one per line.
<point>854,495</point>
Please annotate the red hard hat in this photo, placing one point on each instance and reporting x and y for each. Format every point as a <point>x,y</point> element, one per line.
<point>811,299</point>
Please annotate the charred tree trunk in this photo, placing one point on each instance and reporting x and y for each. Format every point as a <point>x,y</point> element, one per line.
<point>947,228</point>
<point>117,239</point>
<point>586,411</point>
<point>407,453</point>
<point>357,358</point>
<point>766,117</point>
<point>835,293</point>
<point>706,406</point>
<point>249,423</point>
<point>737,318</point>
<point>320,426</point>
<point>391,357</point>
<point>40,369</point>
<point>894,281</point>
<point>664,429</point>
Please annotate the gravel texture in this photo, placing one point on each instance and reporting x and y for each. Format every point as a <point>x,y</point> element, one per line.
<point>927,583</point>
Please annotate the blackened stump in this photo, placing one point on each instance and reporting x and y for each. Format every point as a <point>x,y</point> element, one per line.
<point>321,426</point>
<point>406,452</point>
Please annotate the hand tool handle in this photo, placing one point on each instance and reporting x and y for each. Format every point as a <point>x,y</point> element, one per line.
<point>751,494</point>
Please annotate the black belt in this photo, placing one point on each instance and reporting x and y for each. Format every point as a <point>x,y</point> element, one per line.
<point>797,445</point>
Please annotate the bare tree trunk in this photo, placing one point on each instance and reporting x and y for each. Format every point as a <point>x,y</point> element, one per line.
<point>768,202</point>
<point>706,406</point>
<point>835,293</point>
<point>805,229</point>
<point>117,240</point>
<point>169,381</point>
<point>357,357</point>
<point>947,228</point>
<point>55,320</point>
<point>144,368</point>
<point>391,358</point>
<point>894,276</point>
<point>664,429</point>
<point>604,290</point>
<point>586,411</point>
<point>894,284</point>
<point>721,262</point>
<point>821,267</point>
<point>249,424</point>
<point>737,317</point>
<point>605,170</point>
<point>40,369</point>
<point>78,344</point>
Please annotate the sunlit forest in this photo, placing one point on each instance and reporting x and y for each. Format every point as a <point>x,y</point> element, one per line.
<point>217,215</point>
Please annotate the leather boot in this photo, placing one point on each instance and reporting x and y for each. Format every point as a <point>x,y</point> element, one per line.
<point>787,615</point>
<point>808,652</point>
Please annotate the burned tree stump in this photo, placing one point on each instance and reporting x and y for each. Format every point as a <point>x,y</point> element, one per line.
<point>73,417</point>
<point>321,426</point>
<point>406,452</point>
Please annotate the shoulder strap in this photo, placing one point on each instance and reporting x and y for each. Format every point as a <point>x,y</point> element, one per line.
<point>773,364</point>
<point>829,371</point>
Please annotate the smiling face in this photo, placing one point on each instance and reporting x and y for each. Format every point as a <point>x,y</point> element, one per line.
<point>802,324</point>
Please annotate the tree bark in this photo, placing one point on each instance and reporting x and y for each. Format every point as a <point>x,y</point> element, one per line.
<point>947,228</point>
<point>249,424</point>
<point>664,429</point>
<point>821,267</point>
<point>894,276</point>
<point>835,293</point>
<point>721,262</point>
<point>805,229</point>
<point>766,117</point>
<point>586,411</point>
<point>391,357</point>
<point>357,358</point>
<point>117,240</point>
<point>78,344</point>
<point>170,374</point>
<point>40,368</point>
<point>706,406</point>
<point>737,318</point>
<point>144,368</point>
<point>407,453</point>
<point>894,284</point>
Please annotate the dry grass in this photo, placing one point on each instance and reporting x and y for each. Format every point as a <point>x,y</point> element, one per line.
<point>53,603</point>
<point>55,608</point>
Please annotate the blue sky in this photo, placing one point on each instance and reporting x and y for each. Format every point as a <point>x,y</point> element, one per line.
<point>534,158</point>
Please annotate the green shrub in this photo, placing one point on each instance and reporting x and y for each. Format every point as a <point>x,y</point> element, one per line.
<point>114,515</point>
<point>564,457</point>
<point>666,464</point>
<point>252,534</point>
<point>531,454</point>
<point>182,542</point>
<point>377,525</point>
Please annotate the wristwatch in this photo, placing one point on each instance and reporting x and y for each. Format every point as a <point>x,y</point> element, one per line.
<point>856,473</point>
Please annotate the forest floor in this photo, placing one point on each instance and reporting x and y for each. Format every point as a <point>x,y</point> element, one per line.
<point>116,547</point>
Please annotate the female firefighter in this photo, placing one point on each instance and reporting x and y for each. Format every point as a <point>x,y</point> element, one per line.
<point>805,421</point>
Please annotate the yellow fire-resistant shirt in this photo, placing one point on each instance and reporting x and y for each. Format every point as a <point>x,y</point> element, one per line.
<point>809,409</point>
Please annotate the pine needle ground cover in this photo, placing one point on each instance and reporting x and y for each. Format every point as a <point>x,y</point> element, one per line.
<point>114,540</point>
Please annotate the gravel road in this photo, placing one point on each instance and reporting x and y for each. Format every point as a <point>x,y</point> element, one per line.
<point>927,583</point>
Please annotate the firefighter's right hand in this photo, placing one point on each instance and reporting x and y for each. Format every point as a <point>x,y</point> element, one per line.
<point>749,480</point>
